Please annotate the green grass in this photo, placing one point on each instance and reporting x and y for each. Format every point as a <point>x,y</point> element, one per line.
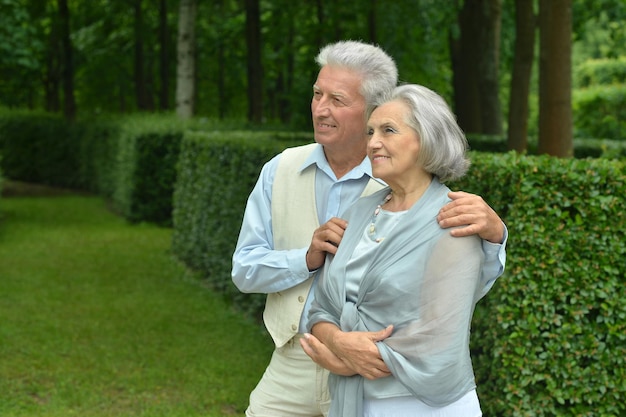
<point>98,319</point>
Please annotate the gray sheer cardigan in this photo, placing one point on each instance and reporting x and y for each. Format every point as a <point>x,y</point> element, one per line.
<point>424,282</point>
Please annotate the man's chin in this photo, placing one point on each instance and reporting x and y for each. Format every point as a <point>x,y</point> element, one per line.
<point>322,138</point>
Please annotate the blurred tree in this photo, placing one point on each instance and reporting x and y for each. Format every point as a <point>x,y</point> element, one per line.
<point>143,95</point>
<point>525,25</point>
<point>20,53</point>
<point>255,65</point>
<point>555,78</point>
<point>67,62</point>
<point>475,61</point>
<point>185,75</point>
<point>164,50</point>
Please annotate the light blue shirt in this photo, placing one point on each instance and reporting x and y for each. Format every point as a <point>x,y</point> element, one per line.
<point>258,268</point>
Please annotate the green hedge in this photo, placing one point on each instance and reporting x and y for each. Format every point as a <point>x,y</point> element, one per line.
<point>550,338</point>
<point>583,148</point>
<point>39,147</point>
<point>147,152</point>
<point>129,160</point>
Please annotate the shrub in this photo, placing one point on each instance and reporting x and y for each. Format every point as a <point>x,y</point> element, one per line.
<point>550,338</point>
<point>147,152</point>
<point>600,72</point>
<point>39,147</point>
<point>600,112</point>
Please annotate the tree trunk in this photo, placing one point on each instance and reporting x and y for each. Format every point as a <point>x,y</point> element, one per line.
<point>525,22</point>
<point>555,79</point>
<point>141,93</point>
<point>185,73</point>
<point>67,63</point>
<point>488,64</point>
<point>164,61</point>
<point>52,77</point>
<point>463,53</point>
<point>371,22</point>
<point>475,59</point>
<point>255,67</point>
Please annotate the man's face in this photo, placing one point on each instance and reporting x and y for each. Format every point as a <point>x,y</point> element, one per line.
<point>338,109</point>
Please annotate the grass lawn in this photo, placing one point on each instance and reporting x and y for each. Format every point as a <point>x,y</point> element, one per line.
<point>98,319</point>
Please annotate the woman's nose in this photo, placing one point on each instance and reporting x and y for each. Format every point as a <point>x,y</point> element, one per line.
<point>374,142</point>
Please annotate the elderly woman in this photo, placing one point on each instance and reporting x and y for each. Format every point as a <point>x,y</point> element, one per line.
<point>396,269</point>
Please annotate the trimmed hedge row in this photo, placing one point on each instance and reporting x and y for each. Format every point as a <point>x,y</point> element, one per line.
<point>550,338</point>
<point>147,152</point>
<point>583,148</point>
<point>40,147</point>
<point>131,160</point>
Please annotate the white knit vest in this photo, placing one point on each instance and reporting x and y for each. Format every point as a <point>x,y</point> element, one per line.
<point>294,219</point>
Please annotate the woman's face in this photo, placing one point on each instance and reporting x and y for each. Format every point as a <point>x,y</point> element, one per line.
<point>393,146</point>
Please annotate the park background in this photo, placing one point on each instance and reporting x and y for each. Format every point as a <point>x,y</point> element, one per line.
<point>168,109</point>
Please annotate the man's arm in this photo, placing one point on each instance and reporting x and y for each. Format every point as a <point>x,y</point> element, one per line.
<point>477,217</point>
<point>257,267</point>
<point>475,214</point>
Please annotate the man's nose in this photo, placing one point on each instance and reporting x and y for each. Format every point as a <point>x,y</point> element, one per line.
<point>322,108</point>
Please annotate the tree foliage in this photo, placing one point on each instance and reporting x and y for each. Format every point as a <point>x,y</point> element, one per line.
<point>124,53</point>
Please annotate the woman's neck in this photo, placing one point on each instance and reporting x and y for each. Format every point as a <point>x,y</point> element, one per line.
<point>403,198</point>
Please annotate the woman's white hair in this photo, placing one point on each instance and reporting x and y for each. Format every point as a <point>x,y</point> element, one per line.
<point>443,145</point>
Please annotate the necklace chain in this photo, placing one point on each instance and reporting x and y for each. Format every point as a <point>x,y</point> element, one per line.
<point>372,228</point>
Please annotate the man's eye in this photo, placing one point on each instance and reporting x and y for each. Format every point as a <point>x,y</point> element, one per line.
<point>370,132</point>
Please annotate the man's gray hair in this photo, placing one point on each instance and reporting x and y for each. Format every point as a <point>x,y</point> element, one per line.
<point>378,69</point>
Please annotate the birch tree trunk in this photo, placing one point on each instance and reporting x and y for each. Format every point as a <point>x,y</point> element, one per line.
<point>185,72</point>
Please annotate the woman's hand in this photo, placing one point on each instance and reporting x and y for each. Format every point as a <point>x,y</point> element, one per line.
<point>356,350</point>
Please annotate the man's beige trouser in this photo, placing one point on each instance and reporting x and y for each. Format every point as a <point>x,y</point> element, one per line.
<point>292,386</point>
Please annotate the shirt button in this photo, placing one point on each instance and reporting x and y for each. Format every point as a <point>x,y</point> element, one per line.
<point>294,327</point>
<point>301,299</point>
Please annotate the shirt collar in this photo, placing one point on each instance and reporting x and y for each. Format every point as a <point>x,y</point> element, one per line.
<point>318,158</point>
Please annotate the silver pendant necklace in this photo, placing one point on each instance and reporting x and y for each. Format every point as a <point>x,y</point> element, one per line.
<point>372,228</point>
